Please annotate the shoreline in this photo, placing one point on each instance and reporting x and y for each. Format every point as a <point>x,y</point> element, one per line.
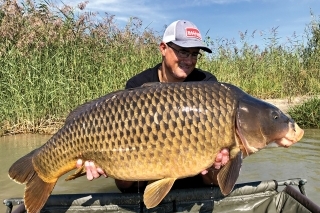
<point>285,104</point>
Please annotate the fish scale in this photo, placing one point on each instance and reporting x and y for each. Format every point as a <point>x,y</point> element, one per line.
<point>157,132</point>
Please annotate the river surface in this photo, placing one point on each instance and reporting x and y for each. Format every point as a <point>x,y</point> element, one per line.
<point>299,161</point>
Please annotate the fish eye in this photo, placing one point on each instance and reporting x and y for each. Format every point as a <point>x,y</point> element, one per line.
<point>275,115</point>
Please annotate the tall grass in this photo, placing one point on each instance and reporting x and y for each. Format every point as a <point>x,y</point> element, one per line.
<point>53,59</point>
<point>307,113</point>
<point>276,71</point>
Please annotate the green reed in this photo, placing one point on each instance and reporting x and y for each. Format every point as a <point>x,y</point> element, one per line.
<point>54,59</point>
<point>307,114</point>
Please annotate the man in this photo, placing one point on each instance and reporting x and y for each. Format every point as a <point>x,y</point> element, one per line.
<point>179,48</point>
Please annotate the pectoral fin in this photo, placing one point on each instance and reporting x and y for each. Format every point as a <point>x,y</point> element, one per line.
<point>156,191</point>
<point>78,173</point>
<point>229,174</point>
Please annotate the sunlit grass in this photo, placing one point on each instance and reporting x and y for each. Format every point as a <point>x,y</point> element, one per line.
<point>308,113</point>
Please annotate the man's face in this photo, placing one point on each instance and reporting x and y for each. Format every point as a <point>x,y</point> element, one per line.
<point>179,61</point>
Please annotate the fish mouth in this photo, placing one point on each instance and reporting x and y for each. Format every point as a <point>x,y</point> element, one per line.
<point>292,136</point>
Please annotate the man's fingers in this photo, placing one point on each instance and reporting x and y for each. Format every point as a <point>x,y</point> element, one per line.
<point>204,172</point>
<point>79,163</point>
<point>225,151</point>
<point>225,156</point>
<point>88,170</point>
<point>101,172</point>
<point>93,169</point>
<point>222,158</point>
<point>218,157</point>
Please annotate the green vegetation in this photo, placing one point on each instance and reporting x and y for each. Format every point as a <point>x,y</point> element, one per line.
<point>53,59</point>
<point>308,113</point>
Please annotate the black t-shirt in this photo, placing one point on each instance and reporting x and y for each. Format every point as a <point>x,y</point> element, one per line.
<point>151,75</point>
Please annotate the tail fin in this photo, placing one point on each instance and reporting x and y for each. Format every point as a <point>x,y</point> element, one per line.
<point>37,191</point>
<point>22,170</point>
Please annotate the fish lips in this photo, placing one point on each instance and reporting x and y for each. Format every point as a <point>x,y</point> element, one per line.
<point>293,136</point>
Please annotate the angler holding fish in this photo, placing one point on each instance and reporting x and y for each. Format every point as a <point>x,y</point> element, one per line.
<point>180,50</point>
<point>160,131</point>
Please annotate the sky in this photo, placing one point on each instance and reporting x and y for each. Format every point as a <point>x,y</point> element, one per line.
<point>219,19</point>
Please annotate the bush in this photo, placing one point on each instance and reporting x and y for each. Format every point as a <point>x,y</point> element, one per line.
<point>307,114</point>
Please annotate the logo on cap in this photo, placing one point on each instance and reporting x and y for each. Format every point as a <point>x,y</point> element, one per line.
<point>193,33</point>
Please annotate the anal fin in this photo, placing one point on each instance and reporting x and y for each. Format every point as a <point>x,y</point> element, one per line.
<point>156,191</point>
<point>78,173</point>
<point>228,175</point>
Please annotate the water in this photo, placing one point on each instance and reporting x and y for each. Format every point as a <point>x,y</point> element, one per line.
<point>301,160</point>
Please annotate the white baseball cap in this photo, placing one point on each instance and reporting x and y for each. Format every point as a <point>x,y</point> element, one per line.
<point>184,34</point>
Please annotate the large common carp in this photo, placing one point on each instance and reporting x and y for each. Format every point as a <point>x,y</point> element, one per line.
<point>159,132</point>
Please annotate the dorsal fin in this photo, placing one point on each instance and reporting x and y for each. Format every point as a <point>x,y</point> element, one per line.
<point>151,84</point>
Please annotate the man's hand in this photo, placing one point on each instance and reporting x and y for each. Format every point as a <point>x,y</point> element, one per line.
<point>92,171</point>
<point>222,159</point>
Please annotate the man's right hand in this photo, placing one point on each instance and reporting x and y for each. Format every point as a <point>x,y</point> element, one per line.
<point>92,171</point>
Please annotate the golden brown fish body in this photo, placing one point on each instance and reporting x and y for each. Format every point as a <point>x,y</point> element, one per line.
<point>156,132</point>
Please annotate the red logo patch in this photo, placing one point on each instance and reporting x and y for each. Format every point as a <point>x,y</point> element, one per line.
<point>193,33</point>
